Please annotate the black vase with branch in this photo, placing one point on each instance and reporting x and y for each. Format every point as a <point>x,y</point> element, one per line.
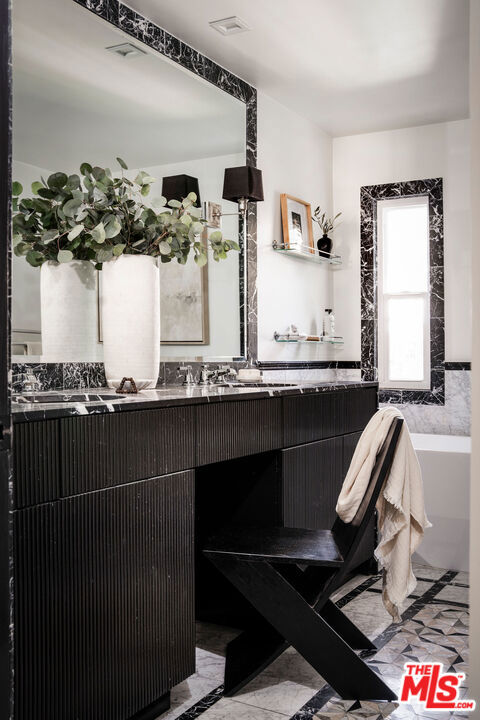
<point>326,224</point>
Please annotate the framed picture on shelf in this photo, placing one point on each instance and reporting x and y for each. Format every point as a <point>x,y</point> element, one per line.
<point>297,225</point>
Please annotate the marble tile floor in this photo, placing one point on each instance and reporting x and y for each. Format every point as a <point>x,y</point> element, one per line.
<point>434,627</point>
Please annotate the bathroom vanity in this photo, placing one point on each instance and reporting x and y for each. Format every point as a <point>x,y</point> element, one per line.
<point>112,500</point>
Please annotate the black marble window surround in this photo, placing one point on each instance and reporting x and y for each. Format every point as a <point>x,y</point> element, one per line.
<point>369,196</point>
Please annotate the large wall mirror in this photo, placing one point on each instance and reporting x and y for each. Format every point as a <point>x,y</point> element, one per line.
<point>76,100</point>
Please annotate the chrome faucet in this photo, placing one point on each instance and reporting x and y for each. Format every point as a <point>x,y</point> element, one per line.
<point>206,375</point>
<point>224,372</point>
<point>188,379</point>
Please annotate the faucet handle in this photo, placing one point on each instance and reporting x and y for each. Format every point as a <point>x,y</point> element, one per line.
<point>188,379</point>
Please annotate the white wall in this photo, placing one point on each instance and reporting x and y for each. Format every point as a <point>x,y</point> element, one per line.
<point>474,679</point>
<point>440,150</point>
<point>296,158</point>
<point>223,277</point>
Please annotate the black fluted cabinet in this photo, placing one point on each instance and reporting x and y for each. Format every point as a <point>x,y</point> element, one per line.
<point>105,600</point>
<point>105,525</point>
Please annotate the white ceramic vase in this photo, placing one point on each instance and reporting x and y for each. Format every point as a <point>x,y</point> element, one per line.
<point>131,319</point>
<point>69,311</point>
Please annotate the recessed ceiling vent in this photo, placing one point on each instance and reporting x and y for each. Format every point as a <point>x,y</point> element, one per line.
<point>230,25</point>
<point>126,50</point>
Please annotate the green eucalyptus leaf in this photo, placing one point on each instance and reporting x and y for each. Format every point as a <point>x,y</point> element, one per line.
<point>234,245</point>
<point>48,236</point>
<point>104,255</point>
<point>34,258</point>
<point>145,190</point>
<point>201,259</point>
<point>165,248</point>
<point>17,188</point>
<point>46,193</point>
<point>73,182</point>
<point>98,233</point>
<point>71,206</point>
<point>36,186</point>
<point>118,249</point>
<point>64,256</point>
<point>192,197</point>
<point>215,236</point>
<point>85,168</point>
<point>174,204</point>
<point>197,228</point>
<point>122,163</point>
<point>57,181</point>
<point>112,228</point>
<point>186,219</point>
<point>75,232</point>
<point>21,249</point>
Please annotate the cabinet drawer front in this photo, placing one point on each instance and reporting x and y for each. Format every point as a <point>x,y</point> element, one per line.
<point>313,417</point>
<point>360,405</point>
<point>104,605</point>
<point>101,451</point>
<point>312,476</point>
<point>36,462</point>
<point>235,429</point>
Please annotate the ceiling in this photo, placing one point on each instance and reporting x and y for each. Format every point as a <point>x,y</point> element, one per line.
<point>352,66</point>
<point>76,102</point>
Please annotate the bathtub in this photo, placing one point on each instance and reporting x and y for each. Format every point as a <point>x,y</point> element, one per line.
<point>445,463</point>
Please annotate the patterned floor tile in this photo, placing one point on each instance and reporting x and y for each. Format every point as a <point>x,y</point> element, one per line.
<point>454,593</point>
<point>227,709</point>
<point>432,631</point>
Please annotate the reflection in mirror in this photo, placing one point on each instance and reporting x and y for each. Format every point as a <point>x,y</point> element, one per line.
<point>86,93</point>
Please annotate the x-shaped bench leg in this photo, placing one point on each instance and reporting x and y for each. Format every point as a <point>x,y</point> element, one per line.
<point>301,626</point>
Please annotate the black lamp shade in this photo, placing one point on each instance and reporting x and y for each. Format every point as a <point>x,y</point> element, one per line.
<point>177,187</point>
<point>243,182</point>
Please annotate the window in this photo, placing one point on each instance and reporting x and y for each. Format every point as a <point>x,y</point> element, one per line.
<point>403,293</point>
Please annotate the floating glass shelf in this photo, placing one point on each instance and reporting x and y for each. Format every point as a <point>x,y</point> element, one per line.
<point>305,252</point>
<point>323,340</point>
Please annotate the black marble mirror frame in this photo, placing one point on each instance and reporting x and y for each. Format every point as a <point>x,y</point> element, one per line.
<point>369,196</point>
<point>6,544</point>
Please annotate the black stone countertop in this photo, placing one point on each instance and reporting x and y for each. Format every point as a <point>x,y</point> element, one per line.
<point>93,402</point>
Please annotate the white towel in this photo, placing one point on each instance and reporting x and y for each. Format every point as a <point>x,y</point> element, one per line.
<point>401,512</point>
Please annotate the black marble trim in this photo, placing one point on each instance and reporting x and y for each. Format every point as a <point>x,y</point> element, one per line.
<point>142,29</point>
<point>202,705</point>
<point>458,366</point>
<point>369,195</point>
<point>310,364</point>
<point>6,474</point>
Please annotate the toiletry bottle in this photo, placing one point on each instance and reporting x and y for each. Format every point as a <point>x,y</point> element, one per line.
<point>328,323</point>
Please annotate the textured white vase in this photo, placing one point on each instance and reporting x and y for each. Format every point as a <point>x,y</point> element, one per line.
<point>131,319</point>
<point>69,311</point>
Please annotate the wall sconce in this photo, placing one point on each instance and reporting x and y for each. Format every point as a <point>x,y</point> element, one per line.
<point>177,187</point>
<point>241,185</point>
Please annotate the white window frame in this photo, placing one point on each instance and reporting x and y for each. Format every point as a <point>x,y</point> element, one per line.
<point>382,339</point>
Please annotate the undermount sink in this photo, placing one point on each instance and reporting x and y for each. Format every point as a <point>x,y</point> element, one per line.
<point>262,384</point>
<point>76,397</point>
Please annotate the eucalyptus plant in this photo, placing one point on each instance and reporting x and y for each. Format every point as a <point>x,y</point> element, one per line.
<point>98,217</point>
<point>325,223</point>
